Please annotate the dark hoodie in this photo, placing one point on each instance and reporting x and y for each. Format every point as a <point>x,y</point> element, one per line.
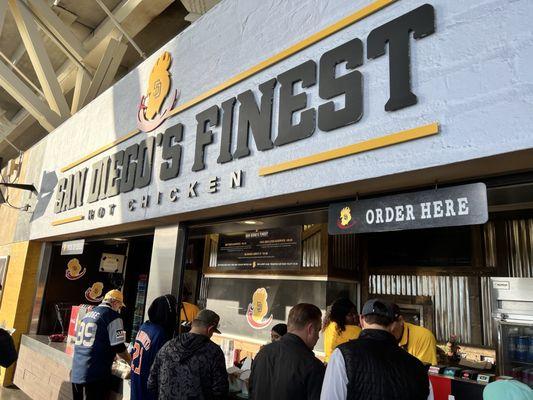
<point>189,366</point>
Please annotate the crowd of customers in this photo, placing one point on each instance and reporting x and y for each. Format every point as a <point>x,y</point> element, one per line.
<point>374,355</point>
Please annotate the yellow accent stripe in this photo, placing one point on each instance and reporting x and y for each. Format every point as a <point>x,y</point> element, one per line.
<point>309,41</point>
<point>68,220</point>
<point>372,144</point>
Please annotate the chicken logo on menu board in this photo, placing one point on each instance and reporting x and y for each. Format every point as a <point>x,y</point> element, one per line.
<point>149,114</point>
<point>258,309</point>
<point>345,220</point>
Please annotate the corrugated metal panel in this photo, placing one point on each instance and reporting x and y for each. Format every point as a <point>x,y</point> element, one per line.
<point>204,290</point>
<point>213,250</point>
<point>311,251</point>
<point>486,317</point>
<point>344,252</point>
<point>450,296</point>
<point>489,234</point>
<point>519,234</point>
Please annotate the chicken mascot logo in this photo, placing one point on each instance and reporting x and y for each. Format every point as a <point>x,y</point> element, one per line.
<point>94,293</point>
<point>149,114</point>
<point>345,219</point>
<point>258,309</point>
<point>74,270</point>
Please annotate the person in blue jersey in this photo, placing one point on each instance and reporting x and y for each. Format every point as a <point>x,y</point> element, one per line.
<point>153,334</point>
<point>100,336</point>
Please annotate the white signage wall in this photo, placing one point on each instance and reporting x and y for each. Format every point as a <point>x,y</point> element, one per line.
<point>469,70</point>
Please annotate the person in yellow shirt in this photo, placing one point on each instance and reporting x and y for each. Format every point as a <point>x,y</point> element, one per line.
<point>188,310</point>
<point>340,325</point>
<point>416,340</point>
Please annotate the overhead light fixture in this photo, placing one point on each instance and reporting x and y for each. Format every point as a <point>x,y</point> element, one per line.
<point>251,222</point>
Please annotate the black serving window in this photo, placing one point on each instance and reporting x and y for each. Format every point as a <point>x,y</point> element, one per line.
<point>438,247</point>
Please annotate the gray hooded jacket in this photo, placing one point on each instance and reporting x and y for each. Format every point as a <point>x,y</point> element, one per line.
<point>190,366</point>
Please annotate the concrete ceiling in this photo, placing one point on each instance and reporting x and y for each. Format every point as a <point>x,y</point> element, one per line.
<point>151,23</point>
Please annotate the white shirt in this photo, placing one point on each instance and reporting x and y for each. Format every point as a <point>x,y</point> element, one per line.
<point>335,386</point>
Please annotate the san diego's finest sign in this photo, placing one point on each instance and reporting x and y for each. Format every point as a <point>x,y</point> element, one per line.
<point>453,206</point>
<point>254,113</point>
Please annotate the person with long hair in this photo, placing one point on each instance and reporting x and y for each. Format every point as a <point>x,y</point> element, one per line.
<point>340,325</point>
<point>152,335</point>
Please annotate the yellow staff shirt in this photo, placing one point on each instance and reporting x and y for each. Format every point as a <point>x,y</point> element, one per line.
<point>188,312</point>
<point>332,337</point>
<point>419,342</point>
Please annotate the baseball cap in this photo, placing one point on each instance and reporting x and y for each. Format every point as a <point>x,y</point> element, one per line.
<point>209,317</point>
<point>378,307</point>
<point>504,389</point>
<point>396,310</point>
<point>115,295</point>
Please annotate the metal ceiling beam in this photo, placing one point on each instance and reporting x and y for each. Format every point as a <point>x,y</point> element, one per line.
<point>83,81</point>
<point>134,15</point>
<point>106,70</point>
<point>67,18</point>
<point>3,9</point>
<point>28,99</point>
<point>58,28</point>
<point>120,12</point>
<point>121,29</point>
<point>21,74</point>
<point>39,59</point>
<point>18,53</point>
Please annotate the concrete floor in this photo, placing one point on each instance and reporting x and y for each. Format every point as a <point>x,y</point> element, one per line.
<point>12,393</point>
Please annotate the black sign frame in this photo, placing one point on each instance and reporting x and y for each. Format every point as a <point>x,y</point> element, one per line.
<point>437,208</point>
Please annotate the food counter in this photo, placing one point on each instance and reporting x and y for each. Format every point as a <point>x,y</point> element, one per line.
<point>43,370</point>
<point>461,389</point>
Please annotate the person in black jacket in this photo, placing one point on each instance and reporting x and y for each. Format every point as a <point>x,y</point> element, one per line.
<point>288,369</point>
<point>374,367</point>
<point>191,366</point>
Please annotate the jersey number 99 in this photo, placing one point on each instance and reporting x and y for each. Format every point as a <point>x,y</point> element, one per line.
<point>86,334</point>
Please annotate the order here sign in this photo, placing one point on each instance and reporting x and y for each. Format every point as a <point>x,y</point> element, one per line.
<point>452,206</point>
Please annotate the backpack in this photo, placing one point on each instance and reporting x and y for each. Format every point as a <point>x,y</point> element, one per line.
<point>8,353</point>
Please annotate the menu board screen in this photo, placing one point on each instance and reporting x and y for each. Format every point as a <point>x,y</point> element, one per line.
<point>269,249</point>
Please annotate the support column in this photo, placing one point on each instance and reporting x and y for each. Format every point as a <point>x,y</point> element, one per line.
<point>166,271</point>
<point>17,299</point>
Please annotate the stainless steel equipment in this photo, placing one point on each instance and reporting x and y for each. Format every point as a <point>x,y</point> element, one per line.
<point>512,313</point>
